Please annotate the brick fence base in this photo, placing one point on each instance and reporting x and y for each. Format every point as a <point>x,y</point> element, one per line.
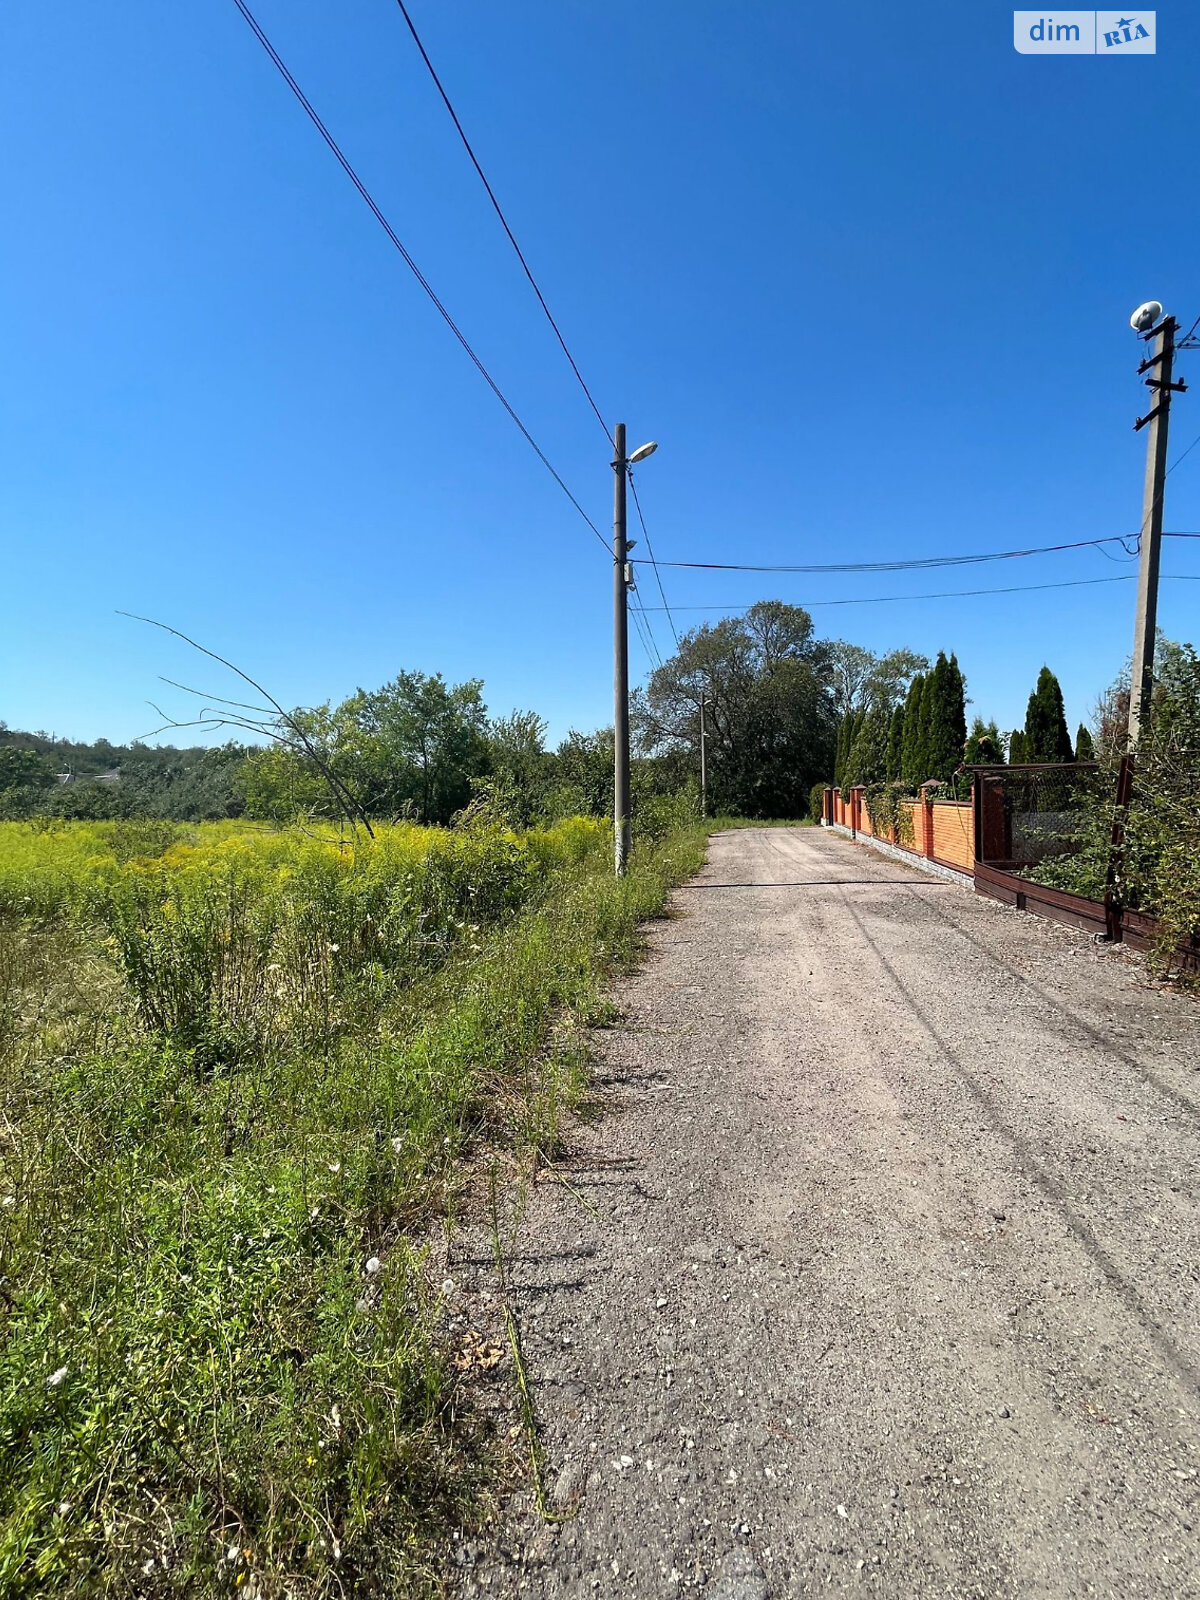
<point>964,880</point>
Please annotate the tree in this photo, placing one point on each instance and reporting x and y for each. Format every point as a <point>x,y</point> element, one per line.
<point>25,776</point>
<point>867,761</point>
<point>895,755</point>
<point>411,748</point>
<point>911,753</point>
<point>891,675</point>
<point>1046,736</point>
<point>771,711</point>
<point>1017,755</point>
<point>985,748</point>
<point>946,727</point>
<point>850,669</point>
<point>842,749</point>
<point>520,769</point>
<point>1085,750</point>
<point>425,742</point>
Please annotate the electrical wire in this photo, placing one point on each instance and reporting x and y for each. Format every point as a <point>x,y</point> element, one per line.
<point>1185,454</point>
<point>948,594</point>
<point>491,194</point>
<point>899,566</point>
<point>645,632</point>
<point>650,551</point>
<point>533,283</point>
<point>344,162</point>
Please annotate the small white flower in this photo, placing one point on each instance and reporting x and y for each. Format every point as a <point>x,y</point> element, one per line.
<point>334,948</point>
<point>337,1551</point>
<point>232,1553</point>
<point>55,1378</point>
<point>148,1567</point>
<point>335,1166</point>
<point>64,1508</point>
<point>447,1285</point>
<point>374,1265</point>
<point>397,1144</point>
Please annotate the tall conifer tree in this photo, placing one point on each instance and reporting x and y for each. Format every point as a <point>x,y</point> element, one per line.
<point>910,763</point>
<point>1046,736</point>
<point>895,756</point>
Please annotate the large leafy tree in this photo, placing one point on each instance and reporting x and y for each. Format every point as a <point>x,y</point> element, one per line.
<point>772,716</point>
<point>411,748</point>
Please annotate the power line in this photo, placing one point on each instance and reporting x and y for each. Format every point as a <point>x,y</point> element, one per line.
<point>650,550</point>
<point>491,194</point>
<point>948,594</point>
<point>1187,452</point>
<point>900,566</point>
<point>344,162</point>
<point>646,633</point>
<point>533,283</point>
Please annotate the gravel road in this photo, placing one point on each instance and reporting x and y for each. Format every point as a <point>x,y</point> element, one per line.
<point>882,1278</point>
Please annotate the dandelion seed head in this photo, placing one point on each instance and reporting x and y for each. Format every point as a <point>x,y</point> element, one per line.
<point>55,1378</point>
<point>374,1265</point>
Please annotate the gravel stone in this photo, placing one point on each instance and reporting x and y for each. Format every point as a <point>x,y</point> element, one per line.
<point>834,1079</point>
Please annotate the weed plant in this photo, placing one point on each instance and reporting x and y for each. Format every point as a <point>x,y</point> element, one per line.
<point>241,1074</point>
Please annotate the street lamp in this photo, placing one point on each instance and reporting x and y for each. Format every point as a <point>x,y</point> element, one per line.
<point>622,583</point>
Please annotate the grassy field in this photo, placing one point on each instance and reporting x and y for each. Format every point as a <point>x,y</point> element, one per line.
<point>242,1074</point>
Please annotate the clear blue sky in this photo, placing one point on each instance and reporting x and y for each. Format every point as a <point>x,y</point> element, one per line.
<point>862,270</point>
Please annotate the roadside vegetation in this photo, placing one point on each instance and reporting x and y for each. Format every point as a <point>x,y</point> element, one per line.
<point>244,1075</point>
<point>1159,869</point>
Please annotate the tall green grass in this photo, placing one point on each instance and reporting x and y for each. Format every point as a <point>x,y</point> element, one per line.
<point>241,1074</point>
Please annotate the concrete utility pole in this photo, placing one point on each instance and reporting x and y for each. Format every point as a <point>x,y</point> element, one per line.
<point>703,760</point>
<point>622,583</point>
<point>620,658</point>
<point>1159,364</point>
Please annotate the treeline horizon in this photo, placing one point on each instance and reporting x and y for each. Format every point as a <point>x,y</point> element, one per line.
<point>783,710</point>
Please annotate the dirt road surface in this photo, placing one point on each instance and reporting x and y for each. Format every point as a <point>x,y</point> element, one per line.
<point>882,1278</point>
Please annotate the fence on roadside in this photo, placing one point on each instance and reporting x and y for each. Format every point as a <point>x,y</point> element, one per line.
<point>1017,820</point>
<point>938,830</point>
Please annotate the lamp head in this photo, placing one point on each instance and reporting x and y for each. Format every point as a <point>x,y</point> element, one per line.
<point>1146,315</point>
<point>642,452</point>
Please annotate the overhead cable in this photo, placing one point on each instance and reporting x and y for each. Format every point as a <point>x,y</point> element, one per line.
<point>914,565</point>
<point>948,594</point>
<point>650,552</point>
<point>344,162</point>
<point>491,194</point>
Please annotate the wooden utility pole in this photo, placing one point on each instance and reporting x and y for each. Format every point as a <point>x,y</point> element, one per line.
<point>1159,365</point>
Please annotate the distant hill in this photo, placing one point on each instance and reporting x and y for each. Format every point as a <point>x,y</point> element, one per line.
<point>41,775</point>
